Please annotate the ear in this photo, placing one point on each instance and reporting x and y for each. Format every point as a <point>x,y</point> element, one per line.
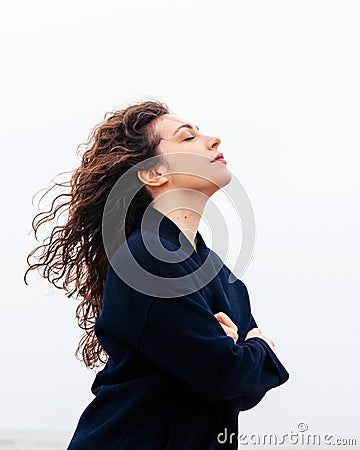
<point>152,177</point>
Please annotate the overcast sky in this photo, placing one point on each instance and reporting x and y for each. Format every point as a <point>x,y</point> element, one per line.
<point>278,82</point>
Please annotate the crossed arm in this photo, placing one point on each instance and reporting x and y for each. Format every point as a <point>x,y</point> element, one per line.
<point>231,329</point>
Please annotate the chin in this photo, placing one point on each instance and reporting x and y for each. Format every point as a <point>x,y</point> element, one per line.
<point>227,177</point>
<point>223,178</point>
<point>220,183</point>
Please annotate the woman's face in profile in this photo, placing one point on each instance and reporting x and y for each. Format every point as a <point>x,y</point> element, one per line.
<point>185,149</point>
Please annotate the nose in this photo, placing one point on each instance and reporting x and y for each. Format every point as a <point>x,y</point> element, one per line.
<point>214,143</point>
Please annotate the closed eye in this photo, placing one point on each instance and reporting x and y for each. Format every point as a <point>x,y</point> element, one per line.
<point>189,138</point>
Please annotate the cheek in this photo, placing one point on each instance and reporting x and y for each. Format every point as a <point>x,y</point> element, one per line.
<point>189,168</point>
<point>187,181</point>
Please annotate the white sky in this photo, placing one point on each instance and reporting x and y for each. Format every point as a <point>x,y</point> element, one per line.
<point>278,81</point>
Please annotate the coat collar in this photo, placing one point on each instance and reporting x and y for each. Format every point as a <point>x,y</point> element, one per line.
<point>157,222</point>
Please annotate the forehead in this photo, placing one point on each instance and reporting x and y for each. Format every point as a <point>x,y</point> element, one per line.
<point>168,123</point>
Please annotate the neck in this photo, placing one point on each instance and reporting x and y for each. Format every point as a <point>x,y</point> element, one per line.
<point>184,207</point>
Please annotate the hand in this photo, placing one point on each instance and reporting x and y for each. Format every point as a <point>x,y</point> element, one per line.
<point>256,332</point>
<point>228,325</point>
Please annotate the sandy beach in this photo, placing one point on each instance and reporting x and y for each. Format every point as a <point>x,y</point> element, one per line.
<point>34,440</point>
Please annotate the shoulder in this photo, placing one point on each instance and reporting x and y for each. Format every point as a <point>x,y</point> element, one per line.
<point>135,246</point>
<point>146,249</point>
<point>148,266</point>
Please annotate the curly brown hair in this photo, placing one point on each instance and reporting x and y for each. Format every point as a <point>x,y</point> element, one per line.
<point>73,257</point>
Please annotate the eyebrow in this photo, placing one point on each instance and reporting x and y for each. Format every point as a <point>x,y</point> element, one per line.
<point>185,125</point>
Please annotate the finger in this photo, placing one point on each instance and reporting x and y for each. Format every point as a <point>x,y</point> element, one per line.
<point>253,332</point>
<point>222,317</point>
<point>230,332</point>
<point>270,342</point>
<point>227,329</point>
<point>231,325</point>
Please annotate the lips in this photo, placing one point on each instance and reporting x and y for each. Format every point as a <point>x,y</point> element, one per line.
<point>218,157</point>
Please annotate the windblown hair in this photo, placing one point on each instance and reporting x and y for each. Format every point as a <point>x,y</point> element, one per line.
<point>73,257</point>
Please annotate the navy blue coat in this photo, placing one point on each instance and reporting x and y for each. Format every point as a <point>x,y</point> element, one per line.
<point>174,380</point>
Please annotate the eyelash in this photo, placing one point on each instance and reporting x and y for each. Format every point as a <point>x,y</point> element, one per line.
<point>189,138</point>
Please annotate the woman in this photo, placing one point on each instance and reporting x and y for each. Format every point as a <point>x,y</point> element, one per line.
<point>182,351</point>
